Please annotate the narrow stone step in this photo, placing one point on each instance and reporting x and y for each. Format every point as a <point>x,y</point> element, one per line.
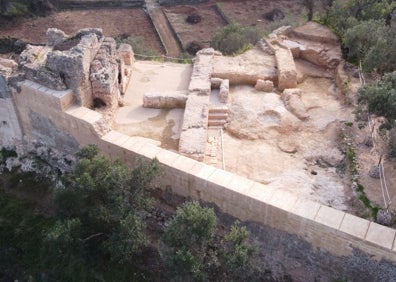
<point>219,122</point>
<point>218,110</point>
<point>218,116</point>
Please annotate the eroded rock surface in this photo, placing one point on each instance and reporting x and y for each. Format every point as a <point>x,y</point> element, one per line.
<point>292,100</point>
<point>87,63</point>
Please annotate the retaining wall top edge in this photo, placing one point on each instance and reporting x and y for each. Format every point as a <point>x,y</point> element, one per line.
<point>381,235</point>
<point>330,217</point>
<point>340,221</point>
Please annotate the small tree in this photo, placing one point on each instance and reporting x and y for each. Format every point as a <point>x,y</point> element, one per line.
<point>192,251</point>
<point>309,5</point>
<point>187,238</point>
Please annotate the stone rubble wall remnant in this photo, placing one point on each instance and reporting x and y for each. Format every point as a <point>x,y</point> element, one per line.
<point>264,85</point>
<point>126,60</point>
<point>166,100</point>
<point>87,63</point>
<point>193,136</point>
<point>104,73</point>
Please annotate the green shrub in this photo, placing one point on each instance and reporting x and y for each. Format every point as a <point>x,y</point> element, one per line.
<point>234,38</point>
<point>138,44</point>
<point>380,96</point>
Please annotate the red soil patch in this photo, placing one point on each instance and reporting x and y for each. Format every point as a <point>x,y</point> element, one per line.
<point>114,22</point>
<point>201,32</point>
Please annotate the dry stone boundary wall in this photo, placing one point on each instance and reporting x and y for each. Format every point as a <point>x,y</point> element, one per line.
<point>326,228</point>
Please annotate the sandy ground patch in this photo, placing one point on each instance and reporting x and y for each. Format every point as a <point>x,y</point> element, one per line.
<point>301,158</point>
<point>157,124</point>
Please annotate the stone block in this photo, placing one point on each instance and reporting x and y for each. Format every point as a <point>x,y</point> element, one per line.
<point>167,100</point>
<point>166,157</point>
<point>355,226</point>
<point>221,177</point>
<point>283,200</point>
<point>381,235</point>
<point>306,208</point>
<point>216,82</point>
<point>126,54</point>
<point>224,90</point>
<point>148,151</point>
<point>287,72</point>
<point>330,217</point>
<point>192,143</point>
<point>264,85</point>
<point>196,112</point>
<point>116,138</point>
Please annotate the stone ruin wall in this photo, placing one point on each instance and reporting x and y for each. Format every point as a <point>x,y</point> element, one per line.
<point>75,69</point>
<point>324,235</point>
<point>88,63</point>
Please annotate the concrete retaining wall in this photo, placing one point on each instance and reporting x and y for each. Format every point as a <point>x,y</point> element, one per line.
<point>325,229</point>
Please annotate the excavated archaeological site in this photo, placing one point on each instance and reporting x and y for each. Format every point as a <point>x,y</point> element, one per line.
<point>271,114</point>
<point>260,135</point>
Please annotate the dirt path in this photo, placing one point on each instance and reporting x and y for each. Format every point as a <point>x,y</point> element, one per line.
<point>162,25</point>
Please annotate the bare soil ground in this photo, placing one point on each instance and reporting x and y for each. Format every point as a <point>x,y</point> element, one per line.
<point>202,31</point>
<point>247,13</point>
<point>250,13</point>
<point>161,125</point>
<point>114,22</point>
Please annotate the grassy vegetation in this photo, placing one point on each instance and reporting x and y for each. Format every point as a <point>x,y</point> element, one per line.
<point>352,165</point>
<point>138,44</point>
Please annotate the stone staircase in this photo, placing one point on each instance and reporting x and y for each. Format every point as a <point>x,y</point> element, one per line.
<point>217,117</point>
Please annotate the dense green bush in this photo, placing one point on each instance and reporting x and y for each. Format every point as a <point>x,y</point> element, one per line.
<point>366,31</point>
<point>18,8</point>
<point>193,252</point>
<point>234,39</point>
<point>380,96</point>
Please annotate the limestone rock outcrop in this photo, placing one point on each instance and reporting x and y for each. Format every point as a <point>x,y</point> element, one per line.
<point>7,66</point>
<point>55,36</point>
<point>104,73</point>
<point>87,63</point>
